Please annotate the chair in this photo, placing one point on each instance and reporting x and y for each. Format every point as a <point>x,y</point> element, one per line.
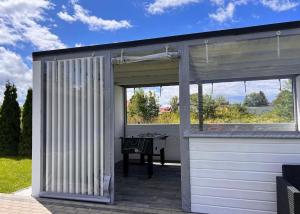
<point>288,186</point>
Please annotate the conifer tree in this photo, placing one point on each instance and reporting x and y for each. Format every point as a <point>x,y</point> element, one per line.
<point>9,122</point>
<point>26,121</point>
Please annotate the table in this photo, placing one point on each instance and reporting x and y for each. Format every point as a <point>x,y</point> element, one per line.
<point>150,144</point>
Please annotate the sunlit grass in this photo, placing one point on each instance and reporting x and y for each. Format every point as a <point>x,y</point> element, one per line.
<point>15,173</point>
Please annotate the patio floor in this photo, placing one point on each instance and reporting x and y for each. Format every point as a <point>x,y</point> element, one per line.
<point>161,191</point>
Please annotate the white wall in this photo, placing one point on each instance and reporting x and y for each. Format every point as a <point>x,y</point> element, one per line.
<point>119,121</point>
<point>237,175</point>
<point>172,150</point>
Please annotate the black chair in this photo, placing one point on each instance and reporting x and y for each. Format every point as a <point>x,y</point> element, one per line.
<point>288,190</point>
<point>142,146</point>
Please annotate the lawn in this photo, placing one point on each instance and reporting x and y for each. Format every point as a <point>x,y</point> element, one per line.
<point>15,174</point>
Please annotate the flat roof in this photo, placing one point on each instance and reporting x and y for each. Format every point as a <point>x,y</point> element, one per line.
<point>169,39</point>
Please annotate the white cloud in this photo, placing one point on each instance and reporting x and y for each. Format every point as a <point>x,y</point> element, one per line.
<point>223,14</point>
<point>94,23</point>
<point>280,5</point>
<point>218,2</point>
<point>160,6</point>
<point>78,45</point>
<point>13,69</point>
<point>66,17</point>
<point>20,21</point>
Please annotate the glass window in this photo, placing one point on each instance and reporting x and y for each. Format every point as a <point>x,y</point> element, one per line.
<point>153,105</point>
<point>261,105</point>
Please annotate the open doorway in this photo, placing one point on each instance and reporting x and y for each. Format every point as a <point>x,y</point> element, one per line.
<point>151,87</point>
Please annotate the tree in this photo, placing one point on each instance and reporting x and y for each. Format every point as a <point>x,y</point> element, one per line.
<point>284,105</point>
<point>26,121</point>
<point>9,122</point>
<point>256,99</point>
<point>174,102</point>
<point>143,106</point>
<point>209,105</point>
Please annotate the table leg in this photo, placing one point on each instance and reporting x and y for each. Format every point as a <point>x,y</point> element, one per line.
<point>150,166</point>
<point>142,158</point>
<point>125,164</point>
<point>162,156</point>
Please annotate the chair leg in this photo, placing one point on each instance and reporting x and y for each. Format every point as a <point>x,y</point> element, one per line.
<point>150,166</point>
<point>162,156</point>
<point>125,164</point>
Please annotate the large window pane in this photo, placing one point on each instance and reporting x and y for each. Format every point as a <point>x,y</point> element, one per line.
<point>261,105</point>
<point>153,105</point>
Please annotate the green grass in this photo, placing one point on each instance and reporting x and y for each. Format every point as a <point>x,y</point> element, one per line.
<point>15,173</point>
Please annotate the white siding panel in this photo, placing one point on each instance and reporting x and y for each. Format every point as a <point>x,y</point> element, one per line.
<point>228,210</point>
<point>234,203</point>
<point>72,127</point>
<point>96,126</point>
<point>49,128</point>
<point>90,125</point>
<point>232,165</point>
<point>235,193</point>
<point>78,127</point>
<point>233,184</point>
<point>238,175</point>
<point>235,175</point>
<point>245,157</point>
<point>66,152</point>
<point>60,124</point>
<point>84,127</point>
<point>101,126</point>
<point>54,127</point>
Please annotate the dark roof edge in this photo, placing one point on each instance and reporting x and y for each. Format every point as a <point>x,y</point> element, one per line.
<point>169,39</point>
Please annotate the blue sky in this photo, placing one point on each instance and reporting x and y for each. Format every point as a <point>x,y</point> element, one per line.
<point>27,26</point>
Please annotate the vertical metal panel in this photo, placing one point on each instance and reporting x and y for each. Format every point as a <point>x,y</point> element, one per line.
<point>72,126</point>
<point>59,127</point>
<point>96,126</point>
<point>184,105</point>
<point>90,126</point>
<point>84,127</point>
<point>48,127</point>
<point>38,127</point>
<point>101,127</point>
<point>66,150</point>
<point>78,128</point>
<point>75,143</point>
<point>54,127</point>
